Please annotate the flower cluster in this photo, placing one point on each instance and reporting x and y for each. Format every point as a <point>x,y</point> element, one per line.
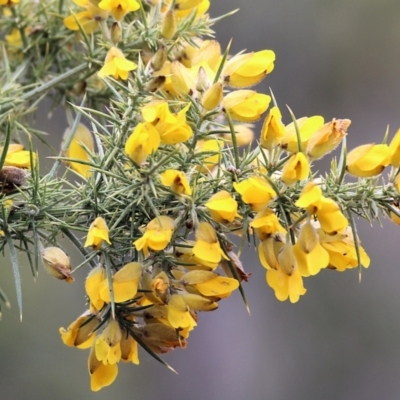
<point>166,177</point>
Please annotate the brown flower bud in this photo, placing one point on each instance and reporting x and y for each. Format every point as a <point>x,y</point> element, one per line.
<point>57,263</point>
<point>11,178</point>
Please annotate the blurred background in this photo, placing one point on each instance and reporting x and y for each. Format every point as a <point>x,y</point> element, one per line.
<point>341,340</point>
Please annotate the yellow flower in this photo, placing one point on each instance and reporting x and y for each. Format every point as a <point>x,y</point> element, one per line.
<point>248,69</point>
<point>116,65</point>
<point>266,223</point>
<point>222,207</point>
<point>176,180</point>
<point>310,255</point>
<point>342,251</point>
<point>368,160</point>
<point>178,315</point>
<point>326,210</point>
<point>286,285</point>
<point>183,8</point>
<point>143,141</point>
<point>125,283</point>
<point>17,157</point>
<point>107,346</point>
<point>246,105</point>
<point>98,231</point>
<point>272,130</point>
<point>14,39</point>
<point>8,3</point>
<point>394,148</point>
<point>157,235</point>
<point>89,19</point>
<point>307,127</point>
<point>92,287</point>
<point>172,127</point>
<point>119,8</point>
<point>101,375</point>
<point>80,147</point>
<point>296,169</point>
<point>207,248</point>
<point>81,333</point>
<point>327,138</point>
<point>210,284</point>
<point>255,191</point>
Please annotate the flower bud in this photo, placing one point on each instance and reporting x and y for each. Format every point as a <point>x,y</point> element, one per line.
<point>327,138</point>
<point>57,263</point>
<point>213,96</point>
<point>116,33</point>
<point>159,58</point>
<point>11,178</point>
<point>169,25</point>
<point>202,80</point>
<point>181,78</point>
<point>308,237</point>
<point>287,259</point>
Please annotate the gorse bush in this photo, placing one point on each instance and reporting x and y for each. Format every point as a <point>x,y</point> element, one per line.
<point>165,179</point>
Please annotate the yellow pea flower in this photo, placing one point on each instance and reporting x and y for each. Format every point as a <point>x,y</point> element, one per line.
<point>101,375</point>
<point>248,69</point>
<point>178,314</point>
<point>119,8</point>
<point>81,333</point>
<point>326,210</point>
<point>116,65</point>
<point>157,235</point>
<point>272,130</point>
<point>246,105</point>
<point>207,248</point>
<point>327,138</point>
<point>107,346</point>
<point>176,180</point>
<point>98,231</point>
<point>17,157</point>
<point>182,79</point>
<point>80,147</point>
<point>143,141</point>
<point>266,223</point>
<point>342,251</point>
<point>368,160</point>
<point>8,3</point>
<point>183,8</point>
<point>310,263</point>
<point>394,148</point>
<point>222,207</point>
<point>125,283</point>
<point>296,169</point>
<point>286,286</point>
<point>89,19</point>
<point>92,287</point>
<point>172,127</point>
<point>307,128</point>
<point>255,191</point>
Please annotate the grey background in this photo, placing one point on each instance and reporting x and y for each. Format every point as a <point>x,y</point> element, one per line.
<point>334,58</point>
